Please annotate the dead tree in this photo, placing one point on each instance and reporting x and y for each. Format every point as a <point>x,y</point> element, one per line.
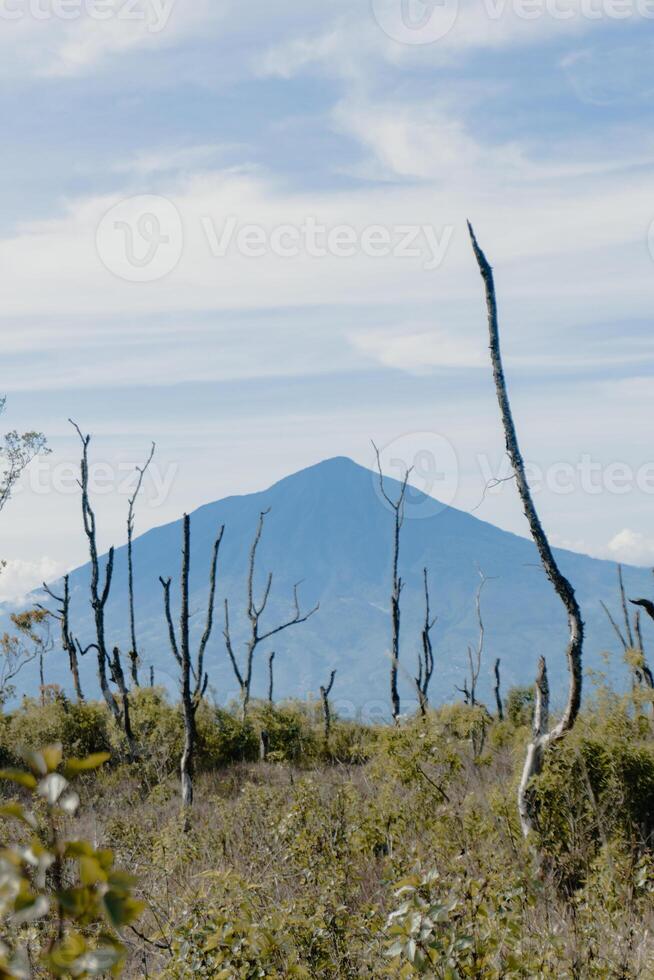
<point>194,678</point>
<point>426,655</point>
<point>475,657</point>
<point>99,597</point>
<point>254,614</point>
<point>326,708</point>
<point>630,639</point>
<point>543,736</point>
<point>133,653</point>
<point>271,677</point>
<point>68,643</point>
<point>497,691</point>
<point>14,656</point>
<point>397,506</point>
<point>648,606</point>
<point>536,748</point>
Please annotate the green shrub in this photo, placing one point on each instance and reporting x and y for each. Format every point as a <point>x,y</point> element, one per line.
<point>597,786</point>
<point>82,729</point>
<point>520,706</point>
<point>291,731</point>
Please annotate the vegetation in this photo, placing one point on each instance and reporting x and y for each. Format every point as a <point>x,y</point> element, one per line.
<point>388,852</point>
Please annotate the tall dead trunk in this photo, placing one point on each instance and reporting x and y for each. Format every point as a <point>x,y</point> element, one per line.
<point>397,506</point>
<point>194,679</point>
<point>326,708</point>
<point>134,653</point>
<point>271,677</point>
<point>254,614</point>
<point>99,598</point>
<point>426,656</point>
<point>497,691</point>
<point>561,586</point>
<point>68,642</point>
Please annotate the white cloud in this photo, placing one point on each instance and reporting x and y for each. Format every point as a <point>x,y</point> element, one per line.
<point>416,350</point>
<point>632,547</point>
<point>19,578</point>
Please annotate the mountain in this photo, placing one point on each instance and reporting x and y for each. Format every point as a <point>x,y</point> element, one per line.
<point>329,528</point>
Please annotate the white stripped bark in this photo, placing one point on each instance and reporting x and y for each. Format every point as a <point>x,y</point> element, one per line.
<point>561,585</point>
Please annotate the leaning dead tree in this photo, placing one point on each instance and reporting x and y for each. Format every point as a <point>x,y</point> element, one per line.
<point>543,735</point>
<point>254,614</point>
<point>68,642</point>
<point>194,678</point>
<point>326,707</point>
<point>631,638</point>
<point>397,506</point>
<point>100,587</point>
<point>426,654</point>
<point>134,653</point>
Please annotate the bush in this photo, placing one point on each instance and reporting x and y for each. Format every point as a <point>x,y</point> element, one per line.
<point>596,787</point>
<point>82,729</point>
<point>291,733</point>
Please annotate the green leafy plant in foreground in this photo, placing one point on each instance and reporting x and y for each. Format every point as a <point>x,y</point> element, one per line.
<point>62,901</point>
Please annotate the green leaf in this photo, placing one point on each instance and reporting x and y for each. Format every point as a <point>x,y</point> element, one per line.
<point>75,766</point>
<point>25,779</point>
<point>16,811</point>
<point>121,910</point>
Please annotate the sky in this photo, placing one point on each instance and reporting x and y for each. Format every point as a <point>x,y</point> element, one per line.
<point>238,230</point>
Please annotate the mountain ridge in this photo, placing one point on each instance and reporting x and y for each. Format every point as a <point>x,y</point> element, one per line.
<point>329,528</point>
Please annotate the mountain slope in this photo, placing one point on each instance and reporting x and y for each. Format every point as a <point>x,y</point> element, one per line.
<point>329,528</point>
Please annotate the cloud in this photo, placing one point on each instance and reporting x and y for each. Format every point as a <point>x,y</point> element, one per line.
<point>416,350</point>
<point>19,578</point>
<point>632,547</point>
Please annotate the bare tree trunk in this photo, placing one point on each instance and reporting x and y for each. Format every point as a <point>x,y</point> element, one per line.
<point>561,585</point>
<point>151,675</point>
<point>397,506</point>
<point>271,677</point>
<point>100,596</point>
<point>67,639</point>
<point>426,658</point>
<point>185,653</point>
<point>118,678</point>
<point>194,679</point>
<point>133,653</point>
<point>326,708</point>
<point>254,614</point>
<point>534,760</point>
<point>497,691</point>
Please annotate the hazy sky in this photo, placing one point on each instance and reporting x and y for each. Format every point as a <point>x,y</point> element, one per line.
<point>238,229</point>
